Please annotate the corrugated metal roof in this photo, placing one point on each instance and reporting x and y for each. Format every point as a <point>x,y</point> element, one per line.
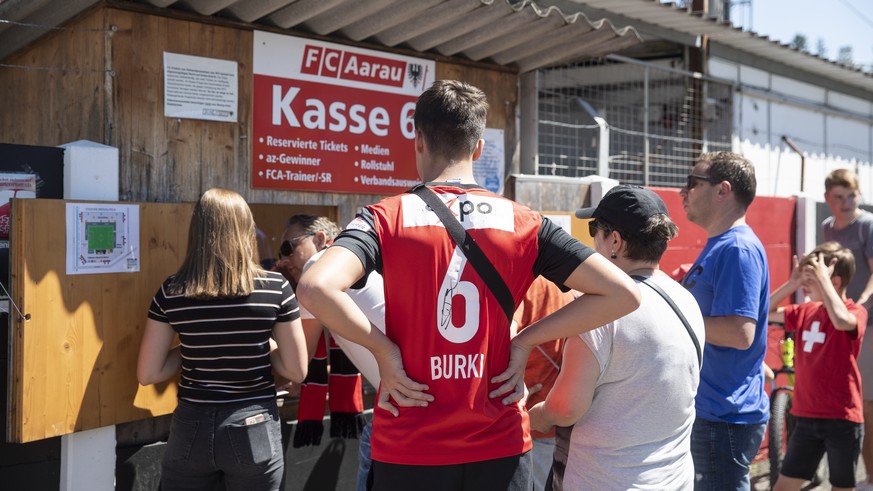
<point>508,32</point>
<point>669,16</point>
<point>516,34</point>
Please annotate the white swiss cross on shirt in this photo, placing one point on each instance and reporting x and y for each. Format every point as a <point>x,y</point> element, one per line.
<point>812,336</point>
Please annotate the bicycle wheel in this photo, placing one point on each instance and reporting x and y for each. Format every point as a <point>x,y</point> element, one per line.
<point>781,424</point>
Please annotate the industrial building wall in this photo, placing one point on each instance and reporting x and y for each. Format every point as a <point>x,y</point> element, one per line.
<point>831,129</point>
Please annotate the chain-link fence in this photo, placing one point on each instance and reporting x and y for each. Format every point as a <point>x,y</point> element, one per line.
<point>658,120</point>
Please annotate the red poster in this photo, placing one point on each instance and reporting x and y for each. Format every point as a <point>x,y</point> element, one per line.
<point>13,186</point>
<point>334,118</point>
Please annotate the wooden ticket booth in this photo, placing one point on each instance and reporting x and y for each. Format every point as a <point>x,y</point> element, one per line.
<point>76,339</point>
<point>107,77</point>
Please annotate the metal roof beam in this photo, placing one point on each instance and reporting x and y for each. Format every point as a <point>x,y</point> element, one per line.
<point>776,68</point>
<point>49,13</point>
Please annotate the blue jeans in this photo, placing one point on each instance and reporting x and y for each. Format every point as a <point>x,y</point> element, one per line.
<point>364,460</point>
<point>207,442</point>
<point>722,454</point>
<point>543,454</point>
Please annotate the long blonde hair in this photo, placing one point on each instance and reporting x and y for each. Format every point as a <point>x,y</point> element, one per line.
<point>220,260</point>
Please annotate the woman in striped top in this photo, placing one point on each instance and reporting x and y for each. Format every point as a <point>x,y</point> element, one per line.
<point>227,312</point>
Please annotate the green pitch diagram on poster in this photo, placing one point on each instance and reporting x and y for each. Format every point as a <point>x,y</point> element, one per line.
<point>102,238</point>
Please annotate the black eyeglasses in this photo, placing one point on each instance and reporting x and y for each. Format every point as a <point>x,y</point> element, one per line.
<point>286,248</point>
<point>689,184</point>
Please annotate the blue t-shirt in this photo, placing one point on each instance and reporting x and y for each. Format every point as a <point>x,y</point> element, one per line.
<point>730,277</point>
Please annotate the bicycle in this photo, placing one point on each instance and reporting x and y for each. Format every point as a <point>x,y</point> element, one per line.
<point>782,422</point>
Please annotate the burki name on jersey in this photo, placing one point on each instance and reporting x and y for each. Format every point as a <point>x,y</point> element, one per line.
<point>456,366</point>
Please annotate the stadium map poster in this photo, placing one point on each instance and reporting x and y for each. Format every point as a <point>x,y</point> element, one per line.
<point>102,238</point>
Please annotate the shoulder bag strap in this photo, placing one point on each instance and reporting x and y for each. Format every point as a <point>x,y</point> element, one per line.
<point>651,284</point>
<point>469,248</point>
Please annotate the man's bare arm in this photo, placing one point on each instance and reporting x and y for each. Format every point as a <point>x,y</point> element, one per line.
<point>730,331</point>
<point>609,293</point>
<point>322,291</point>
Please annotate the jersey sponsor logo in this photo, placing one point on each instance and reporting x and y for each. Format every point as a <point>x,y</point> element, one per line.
<point>474,212</point>
<point>359,224</point>
<point>456,367</point>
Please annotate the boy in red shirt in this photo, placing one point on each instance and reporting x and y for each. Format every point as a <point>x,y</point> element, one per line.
<point>827,392</point>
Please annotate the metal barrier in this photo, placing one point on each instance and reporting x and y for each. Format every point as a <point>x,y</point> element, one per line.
<point>641,123</point>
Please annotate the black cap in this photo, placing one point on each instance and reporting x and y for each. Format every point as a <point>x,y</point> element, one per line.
<point>627,207</point>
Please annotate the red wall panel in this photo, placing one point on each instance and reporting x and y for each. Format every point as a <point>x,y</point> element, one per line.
<point>772,219</point>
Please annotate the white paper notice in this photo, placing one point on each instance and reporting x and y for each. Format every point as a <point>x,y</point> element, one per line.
<point>102,238</point>
<point>200,88</point>
<point>491,166</point>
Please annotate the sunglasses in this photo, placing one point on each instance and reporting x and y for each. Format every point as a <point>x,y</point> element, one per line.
<point>690,183</point>
<point>286,248</point>
<point>596,224</point>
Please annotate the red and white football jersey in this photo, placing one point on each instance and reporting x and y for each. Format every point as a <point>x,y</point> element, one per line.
<point>452,331</point>
<point>827,383</point>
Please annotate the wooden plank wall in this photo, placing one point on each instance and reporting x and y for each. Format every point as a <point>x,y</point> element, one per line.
<point>74,361</point>
<point>54,91</point>
<point>170,159</point>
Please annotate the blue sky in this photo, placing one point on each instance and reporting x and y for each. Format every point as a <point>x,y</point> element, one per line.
<point>837,22</point>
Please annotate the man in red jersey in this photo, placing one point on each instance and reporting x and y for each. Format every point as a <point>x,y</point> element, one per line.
<point>447,357</point>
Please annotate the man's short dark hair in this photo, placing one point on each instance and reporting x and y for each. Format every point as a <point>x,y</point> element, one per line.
<point>735,169</point>
<point>451,117</point>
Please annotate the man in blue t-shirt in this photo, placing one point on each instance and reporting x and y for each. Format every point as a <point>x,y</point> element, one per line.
<point>731,283</point>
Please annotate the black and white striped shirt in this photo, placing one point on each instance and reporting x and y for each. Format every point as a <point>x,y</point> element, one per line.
<point>225,341</point>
